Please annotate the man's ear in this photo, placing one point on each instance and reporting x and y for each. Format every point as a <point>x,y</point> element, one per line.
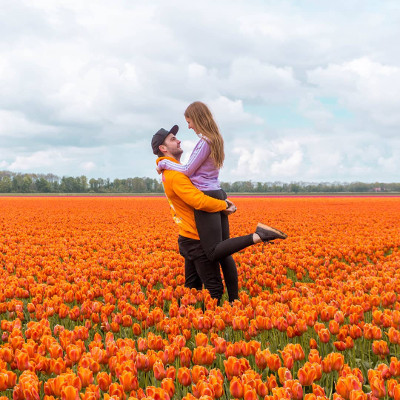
<point>162,148</point>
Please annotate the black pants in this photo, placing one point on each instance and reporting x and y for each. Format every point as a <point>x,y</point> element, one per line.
<point>199,269</point>
<point>213,229</point>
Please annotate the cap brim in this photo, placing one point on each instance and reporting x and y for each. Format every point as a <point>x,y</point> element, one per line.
<point>174,130</point>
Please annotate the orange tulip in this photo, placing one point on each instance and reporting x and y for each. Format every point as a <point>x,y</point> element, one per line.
<point>198,373</point>
<point>355,332</point>
<point>288,359</point>
<point>117,390</point>
<point>284,375</point>
<point>201,339</point>
<point>396,392</point>
<point>378,387</point>
<point>220,345</point>
<point>86,376</point>
<point>185,356</point>
<point>184,377</point>
<point>249,393</point>
<point>104,381</point>
<point>170,372</point>
<point>262,388</point>
<point>236,388</point>
<point>358,395</point>
<point>232,367</point>
<point>345,385</point>
<point>341,346</point>
<point>318,390</point>
<point>274,362</point>
<point>324,335</point>
<point>57,366</point>
<point>308,374</point>
<point>394,366</point>
<point>141,342</point>
<point>391,385</point>
<point>6,354</point>
<point>380,348</point>
<point>168,386</point>
<point>22,360</point>
<point>3,381</point>
<point>70,393</point>
<point>74,353</point>
<point>203,355</point>
<point>261,358</point>
<point>128,381</point>
<point>159,370</point>
<point>333,327</point>
<point>313,344</point>
<point>294,388</point>
<point>271,382</point>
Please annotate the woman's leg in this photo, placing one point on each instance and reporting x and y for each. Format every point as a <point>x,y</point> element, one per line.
<point>228,264</point>
<point>229,271</point>
<point>210,229</point>
<point>219,223</point>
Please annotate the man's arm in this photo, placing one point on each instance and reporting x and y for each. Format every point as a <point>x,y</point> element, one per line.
<point>184,188</point>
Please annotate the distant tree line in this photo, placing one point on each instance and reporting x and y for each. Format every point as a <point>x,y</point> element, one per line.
<point>11,182</point>
<point>307,187</point>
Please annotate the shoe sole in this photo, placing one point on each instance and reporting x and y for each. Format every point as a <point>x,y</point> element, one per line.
<point>269,228</point>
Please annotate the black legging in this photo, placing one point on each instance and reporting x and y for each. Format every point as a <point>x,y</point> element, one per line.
<point>213,229</point>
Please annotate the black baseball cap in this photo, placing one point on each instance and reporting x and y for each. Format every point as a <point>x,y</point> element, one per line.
<point>159,137</point>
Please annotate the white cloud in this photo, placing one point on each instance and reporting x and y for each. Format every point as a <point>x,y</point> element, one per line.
<point>250,78</point>
<point>187,146</point>
<point>315,111</point>
<point>288,167</point>
<point>268,160</point>
<point>15,124</point>
<point>196,71</point>
<point>363,86</point>
<point>38,160</point>
<point>230,114</point>
<point>88,166</point>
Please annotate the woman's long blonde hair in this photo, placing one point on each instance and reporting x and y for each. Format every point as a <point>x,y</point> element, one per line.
<point>204,123</point>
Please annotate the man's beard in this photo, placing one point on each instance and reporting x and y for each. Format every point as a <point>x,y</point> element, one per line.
<point>176,153</point>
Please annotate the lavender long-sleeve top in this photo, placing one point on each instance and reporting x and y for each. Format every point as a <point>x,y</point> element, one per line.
<point>200,168</point>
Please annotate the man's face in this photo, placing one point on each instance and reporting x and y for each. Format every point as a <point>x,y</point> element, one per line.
<point>171,146</point>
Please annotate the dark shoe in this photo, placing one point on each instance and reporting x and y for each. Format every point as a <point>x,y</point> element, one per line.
<point>267,233</point>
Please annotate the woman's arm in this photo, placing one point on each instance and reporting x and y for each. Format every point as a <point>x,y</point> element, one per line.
<point>199,155</point>
<point>189,194</point>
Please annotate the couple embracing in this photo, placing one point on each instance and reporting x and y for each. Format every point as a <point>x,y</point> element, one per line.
<point>200,207</point>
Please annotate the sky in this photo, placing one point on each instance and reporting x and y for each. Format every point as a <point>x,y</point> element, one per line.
<point>302,91</point>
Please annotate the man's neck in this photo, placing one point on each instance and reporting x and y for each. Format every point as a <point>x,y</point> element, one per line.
<point>177,158</point>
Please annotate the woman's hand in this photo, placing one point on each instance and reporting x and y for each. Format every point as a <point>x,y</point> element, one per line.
<point>231,208</point>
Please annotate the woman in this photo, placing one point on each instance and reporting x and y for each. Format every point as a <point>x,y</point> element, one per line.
<point>203,168</point>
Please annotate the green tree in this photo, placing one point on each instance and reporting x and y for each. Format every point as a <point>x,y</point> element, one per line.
<point>43,185</point>
<point>5,184</point>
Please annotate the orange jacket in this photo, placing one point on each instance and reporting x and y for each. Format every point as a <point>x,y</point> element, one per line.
<point>184,198</point>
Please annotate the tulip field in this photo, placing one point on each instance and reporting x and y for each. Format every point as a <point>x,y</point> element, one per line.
<point>93,304</point>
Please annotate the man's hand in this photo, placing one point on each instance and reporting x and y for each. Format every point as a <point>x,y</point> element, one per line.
<point>159,171</point>
<point>230,209</point>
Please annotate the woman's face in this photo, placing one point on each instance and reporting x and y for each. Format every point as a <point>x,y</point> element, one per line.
<point>191,124</point>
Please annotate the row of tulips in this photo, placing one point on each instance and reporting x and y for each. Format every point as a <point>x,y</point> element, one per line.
<point>93,303</point>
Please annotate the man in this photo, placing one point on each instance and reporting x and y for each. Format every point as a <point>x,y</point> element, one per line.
<point>183,198</point>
